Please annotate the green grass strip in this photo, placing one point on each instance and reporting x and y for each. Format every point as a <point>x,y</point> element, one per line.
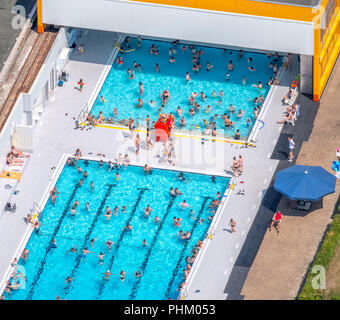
<point>323,258</point>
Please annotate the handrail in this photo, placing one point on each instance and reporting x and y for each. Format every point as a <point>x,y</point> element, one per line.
<point>83,113</point>
<point>36,208</point>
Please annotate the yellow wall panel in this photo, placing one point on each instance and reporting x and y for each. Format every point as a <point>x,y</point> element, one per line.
<point>244,7</point>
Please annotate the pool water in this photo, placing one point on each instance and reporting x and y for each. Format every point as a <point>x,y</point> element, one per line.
<point>162,260</point>
<point>123,94</point>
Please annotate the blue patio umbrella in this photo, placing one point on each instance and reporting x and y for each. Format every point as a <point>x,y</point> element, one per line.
<point>309,183</point>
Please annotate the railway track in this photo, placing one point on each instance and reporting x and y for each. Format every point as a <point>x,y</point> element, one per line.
<point>28,73</point>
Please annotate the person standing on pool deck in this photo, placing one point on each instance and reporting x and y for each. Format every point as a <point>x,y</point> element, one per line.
<point>232,224</point>
<point>240,164</point>
<point>137,142</point>
<point>291,147</point>
<point>81,85</point>
<point>235,167</point>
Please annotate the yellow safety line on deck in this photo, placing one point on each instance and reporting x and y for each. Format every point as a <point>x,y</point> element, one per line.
<point>176,134</point>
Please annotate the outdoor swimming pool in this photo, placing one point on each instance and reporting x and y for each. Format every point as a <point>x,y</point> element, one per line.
<point>162,259</point>
<point>122,93</point>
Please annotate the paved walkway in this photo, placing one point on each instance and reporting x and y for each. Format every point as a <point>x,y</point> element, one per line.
<point>283,259</point>
<point>55,134</point>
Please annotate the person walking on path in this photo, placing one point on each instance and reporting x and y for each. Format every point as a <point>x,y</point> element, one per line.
<point>276,221</point>
<point>291,147</point>
<point>232,224</point>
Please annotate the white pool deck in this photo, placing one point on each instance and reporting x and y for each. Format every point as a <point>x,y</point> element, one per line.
<point>55,135</point>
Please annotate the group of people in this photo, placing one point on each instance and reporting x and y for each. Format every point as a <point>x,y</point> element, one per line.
<point>208,127</point>
<point>15,157</point>
<point>14,283</point>
<point>237,166</point>
<point>189,262</point>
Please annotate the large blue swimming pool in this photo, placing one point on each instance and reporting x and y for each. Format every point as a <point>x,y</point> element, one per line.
<point>122,93</point>
<point>161,260</point>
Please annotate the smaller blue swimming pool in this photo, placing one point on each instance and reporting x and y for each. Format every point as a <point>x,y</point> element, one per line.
<point>122,93</point>
<point>161,258</point>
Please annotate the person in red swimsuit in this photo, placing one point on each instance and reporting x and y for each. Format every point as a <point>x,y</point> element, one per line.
<point>276,221</point>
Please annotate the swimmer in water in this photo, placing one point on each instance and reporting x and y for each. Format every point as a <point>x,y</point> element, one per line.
<point>68,280</point>
<point>141,88</point>
<point>230,66</point>
<point>207,109</point>
<point>184,204</point>
<point>176,221</point>
<point>139,104</point>
<point>157,68</point>
<point>181,176</point>
<point>152,103</point>
<point>101,258</point>
<point>72,250</point>
<point>177,192</point>
<point>85,252</point>
<point>244,81</point>
<point>128,227</point>
<point>147,211</point>
<point>122,275</point>
<point>156,220</point>
<point>107,275</point>
<point>187,77</point>
<point>108,213</point>
<point>138,273</point>
<point>115,210</point>
<point>109,244</point>
<point>209,66</point>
